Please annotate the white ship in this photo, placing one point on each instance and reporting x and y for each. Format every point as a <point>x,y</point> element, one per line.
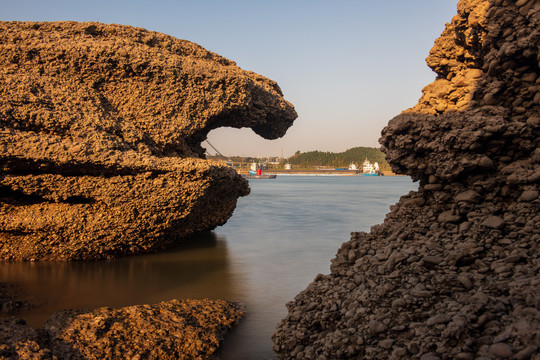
<point>370,169</point>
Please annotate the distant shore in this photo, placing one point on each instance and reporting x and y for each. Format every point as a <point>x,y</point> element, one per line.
<point>313,172</point>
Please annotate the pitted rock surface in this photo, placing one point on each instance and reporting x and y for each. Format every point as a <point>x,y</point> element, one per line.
<point>188,329</point>
<point>100,138</point>
<point>453,272</point>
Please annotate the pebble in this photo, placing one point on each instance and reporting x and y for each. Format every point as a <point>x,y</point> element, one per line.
<point>526,353</point>
<point>438,319</point>
<point>387,343</point>
<point>529,195</point>
<point>449,217</point>
<point>377,327</point>
<point>501,350</point>
<point>398,303</point>
<point>469,196</point>
<point>465,281</point>
<point>429,357</point>
<point>494,222</point>
<point>432,259</point>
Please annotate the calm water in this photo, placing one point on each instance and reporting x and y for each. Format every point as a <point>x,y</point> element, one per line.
<point>279,238</point>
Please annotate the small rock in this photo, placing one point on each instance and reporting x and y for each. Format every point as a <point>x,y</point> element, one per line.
<point>465,281</point>
<point>448,217</point>
<point>421,293</point>
<point>486,162</point>
<point>432,259</point>
<point>464,226</point>
<point>529,195</point>
<point>501,350</point>
<point>429,357</point>
<point>398,303</point>
<point>464,356</point>
<point>526,353</point>
<point>505,335</point>
<point>376,326</point>
<point>494,222</point>
<point>469,196</point>
<point>438,319</point>
<point>386,343</point>
<point>433,187</point>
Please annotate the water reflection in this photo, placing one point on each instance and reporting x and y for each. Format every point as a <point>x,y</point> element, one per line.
<point>279,238</point>
<point>190,271</point>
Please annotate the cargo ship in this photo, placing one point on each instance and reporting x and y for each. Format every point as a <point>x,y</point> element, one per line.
<point>370,169</point>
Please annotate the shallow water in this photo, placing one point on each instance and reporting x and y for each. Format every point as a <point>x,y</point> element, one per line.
<point>279,238</point>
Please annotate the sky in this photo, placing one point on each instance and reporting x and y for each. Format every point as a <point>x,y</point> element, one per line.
<point>348,66</point>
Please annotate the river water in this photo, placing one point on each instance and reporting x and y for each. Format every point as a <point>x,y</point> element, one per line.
<point>278,239</point>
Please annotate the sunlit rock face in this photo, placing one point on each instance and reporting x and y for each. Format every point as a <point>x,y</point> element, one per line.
<point>188,329</point>
<point>452,273</point>
<point>100,138</point>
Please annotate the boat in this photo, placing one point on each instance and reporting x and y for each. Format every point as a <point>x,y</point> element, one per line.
<point>371,169</point>
<point>257,174</point>
<point>265,176</point>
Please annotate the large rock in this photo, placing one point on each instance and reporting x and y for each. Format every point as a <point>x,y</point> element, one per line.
<point>189,329</point>
<point>453,272</point>
<point>100,138</point>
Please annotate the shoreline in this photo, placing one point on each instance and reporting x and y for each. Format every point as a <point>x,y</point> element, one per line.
<point>314,172</point>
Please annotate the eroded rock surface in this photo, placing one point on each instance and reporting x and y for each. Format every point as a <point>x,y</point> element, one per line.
<point>100,138</point>
<point>189,329</point>
<point>453,272</point>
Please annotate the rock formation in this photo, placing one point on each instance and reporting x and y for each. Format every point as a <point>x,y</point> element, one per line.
<point>453,272</point>
<point>190,329</point>
<point>100,138</point>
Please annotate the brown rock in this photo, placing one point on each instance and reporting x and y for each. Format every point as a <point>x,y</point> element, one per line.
<point>448,217</point>
<point>494,222</point>
<point>20,341</point>
<point>376,326</point>
<point>465,281</point>
<point>469,196</point>
<point>501,350</point>
<point>432,259</point>
<point>189,329</point>
<point>100,138</point>
<point>526,353</point>
<point>438,319</point>
<point>529,195</point>
<point>472,143</point>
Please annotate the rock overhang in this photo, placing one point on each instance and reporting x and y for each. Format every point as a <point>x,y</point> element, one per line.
<point>89,106</point>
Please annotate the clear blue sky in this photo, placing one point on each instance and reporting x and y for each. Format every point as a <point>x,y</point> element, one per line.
<point>348,66</point>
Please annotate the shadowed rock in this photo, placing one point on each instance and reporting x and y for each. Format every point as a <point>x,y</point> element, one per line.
<point>100,138</point>
<point>452,273</point>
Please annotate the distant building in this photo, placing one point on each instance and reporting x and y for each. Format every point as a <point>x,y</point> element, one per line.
<point>258,166</point>
<point>288,166</point>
